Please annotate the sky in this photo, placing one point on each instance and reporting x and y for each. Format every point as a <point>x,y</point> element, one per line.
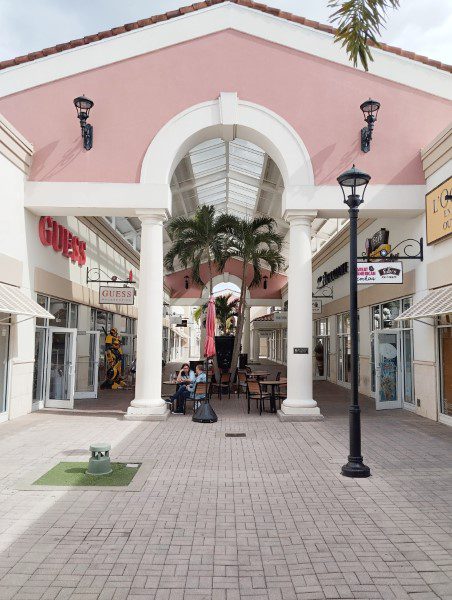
<point>422,26</point>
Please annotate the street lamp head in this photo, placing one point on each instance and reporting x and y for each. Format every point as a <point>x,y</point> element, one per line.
<point>370,110</point>
<point>83,105</point>
<point>351,182</point>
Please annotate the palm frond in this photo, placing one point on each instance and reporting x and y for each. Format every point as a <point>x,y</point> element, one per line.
<point>358,23</point>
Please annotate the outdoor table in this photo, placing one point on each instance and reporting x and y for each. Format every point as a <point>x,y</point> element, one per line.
<point>258,374</point>
<point>273,383</point>
<point>169,382</point>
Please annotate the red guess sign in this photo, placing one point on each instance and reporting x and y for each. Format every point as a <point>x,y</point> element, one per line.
<point>51,233</point>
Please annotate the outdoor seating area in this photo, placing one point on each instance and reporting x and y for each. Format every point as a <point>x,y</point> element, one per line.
<point>262,387</point>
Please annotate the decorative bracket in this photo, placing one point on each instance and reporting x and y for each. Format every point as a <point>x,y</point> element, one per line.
<point>412,250</point>
<point>113,278</point>
<point>324,292</point>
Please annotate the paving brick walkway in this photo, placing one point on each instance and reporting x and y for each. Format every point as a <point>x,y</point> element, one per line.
<point>263,517</point>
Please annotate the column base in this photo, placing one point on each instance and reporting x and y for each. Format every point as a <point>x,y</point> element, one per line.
<point>145,410</point>
<point>300,413</point>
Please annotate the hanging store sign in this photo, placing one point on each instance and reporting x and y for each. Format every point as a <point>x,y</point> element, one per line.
<point>378,245</point>
<point>438,211</point>
<point>116,295</point>
<point>330,276</point>
<point>380,272</point>
<point>51,233</point>
<point>316,307</point>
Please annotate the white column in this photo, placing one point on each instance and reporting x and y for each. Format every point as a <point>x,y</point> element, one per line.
<point>246,332</point>
<point>148,403</point>
<point>299,404</point>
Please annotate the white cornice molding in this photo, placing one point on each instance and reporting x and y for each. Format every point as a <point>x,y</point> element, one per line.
<point>14,146</point>
<point>211,20</point>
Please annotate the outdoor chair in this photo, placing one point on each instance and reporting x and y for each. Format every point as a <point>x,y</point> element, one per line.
<point>241,382</point>
<point>281,393</point>
<point>225,383</point>
<point>200,390</point>
<point>255,392</point>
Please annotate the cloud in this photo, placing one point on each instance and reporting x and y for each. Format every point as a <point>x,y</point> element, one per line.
<point>28,25</point>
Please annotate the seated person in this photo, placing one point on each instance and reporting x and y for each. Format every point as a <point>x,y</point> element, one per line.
<point>185,376</point>
<point>188,391</point>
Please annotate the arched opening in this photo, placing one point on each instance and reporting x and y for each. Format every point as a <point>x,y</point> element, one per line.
<point>245,160</point>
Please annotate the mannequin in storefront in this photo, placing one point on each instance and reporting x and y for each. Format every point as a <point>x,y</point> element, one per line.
<point>113,360</point>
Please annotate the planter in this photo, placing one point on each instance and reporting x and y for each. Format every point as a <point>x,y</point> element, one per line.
<point>224,346</point>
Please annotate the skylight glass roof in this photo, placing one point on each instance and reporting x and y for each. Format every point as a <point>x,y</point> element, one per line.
<point>237,177</point>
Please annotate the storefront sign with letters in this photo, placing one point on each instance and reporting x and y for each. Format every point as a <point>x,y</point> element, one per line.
<point>380,272</point>
<point>116,295</point>
<point>438,210</point>
<point>51,233</point>
<point>330,276</point>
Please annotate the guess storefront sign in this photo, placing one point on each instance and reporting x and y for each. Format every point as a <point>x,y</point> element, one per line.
<point>51,233</point>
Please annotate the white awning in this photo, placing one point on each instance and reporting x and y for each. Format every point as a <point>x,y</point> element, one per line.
<point>15,302</point>
<point>435,303</point>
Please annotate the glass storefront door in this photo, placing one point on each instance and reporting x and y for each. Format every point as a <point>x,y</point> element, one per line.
<point>445,368</point>
<point>406,339</point>
<point>87,364</point>
<point>320,355</point>
<point>387,363</point>
<point>61,368</point>
<point>393,355</point>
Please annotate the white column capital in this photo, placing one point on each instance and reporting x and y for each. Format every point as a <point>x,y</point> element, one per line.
<point>299,217</point>
<point>153,216</point>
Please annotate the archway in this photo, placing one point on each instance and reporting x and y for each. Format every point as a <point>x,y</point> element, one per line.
<point>227,118</point>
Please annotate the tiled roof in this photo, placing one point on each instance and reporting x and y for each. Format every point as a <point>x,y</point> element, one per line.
<point>269,317</point>
<point>199,6</point>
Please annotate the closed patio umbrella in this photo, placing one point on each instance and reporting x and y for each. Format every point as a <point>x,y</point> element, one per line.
<point>205,413</point>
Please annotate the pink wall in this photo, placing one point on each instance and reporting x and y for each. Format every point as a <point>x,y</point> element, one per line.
<point>134,99</point>
<point>176,282</point>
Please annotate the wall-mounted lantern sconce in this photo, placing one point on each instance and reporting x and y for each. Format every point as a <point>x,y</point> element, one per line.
<point>83,106</point>
<point>370,110</point>
<point>186,279</point>
<point>265,281</point>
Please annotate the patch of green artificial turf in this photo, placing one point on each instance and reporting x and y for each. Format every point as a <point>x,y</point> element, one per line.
<point>74,474</point>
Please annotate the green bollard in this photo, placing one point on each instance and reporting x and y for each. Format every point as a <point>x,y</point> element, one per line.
<point>99,463</point>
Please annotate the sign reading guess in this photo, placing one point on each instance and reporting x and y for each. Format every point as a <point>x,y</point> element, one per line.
<point>438,209</point>
<point>380,272</point>
<point>51,233</point>
<point>116,295</point>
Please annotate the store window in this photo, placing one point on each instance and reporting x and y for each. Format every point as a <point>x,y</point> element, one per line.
<point>445,364</point>
<point>4,359</point>
<point>321,349</point>
<point>343,348</point>
<point>284,346</point>
<point>392,355</point>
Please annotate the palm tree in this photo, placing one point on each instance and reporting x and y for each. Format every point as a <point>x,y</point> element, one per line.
<point>358,25</point>
<point>256,243</point>
<point>196,240</point>
<point>225,311</point>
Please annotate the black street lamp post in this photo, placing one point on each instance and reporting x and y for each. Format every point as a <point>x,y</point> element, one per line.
<point>350,181</point>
